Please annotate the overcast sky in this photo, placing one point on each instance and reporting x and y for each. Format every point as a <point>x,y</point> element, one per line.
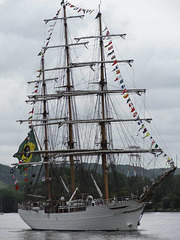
<point>153,39</point>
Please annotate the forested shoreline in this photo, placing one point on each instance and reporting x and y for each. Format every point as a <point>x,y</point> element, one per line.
<point>166,197</point>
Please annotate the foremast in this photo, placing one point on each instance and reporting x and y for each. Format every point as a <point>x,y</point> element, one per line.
<point>45,114</point>
<point>48,192</point>
<point>103,85</point>
<point>70,128</point>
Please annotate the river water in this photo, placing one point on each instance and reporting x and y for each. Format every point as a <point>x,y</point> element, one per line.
<point>154,226</point>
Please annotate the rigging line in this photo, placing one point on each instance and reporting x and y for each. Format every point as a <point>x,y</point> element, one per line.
<point>49,129</point>
<point>121,126</point>
<point>89,131</point>
<point>81,70</point>
<point>65,128</point>
<point>56,174</point>
<point>116,113</point>
<point>158,136</point>
<point>56,130</point>
<point>64,174</point>
<point>38,177</point>
<point>59,111</point>
<point>156,133</point>
<point>109,128</point>
<point>77,130</point>
<point>97,127</point>
<point>55,133</point>
<point>144,115</point>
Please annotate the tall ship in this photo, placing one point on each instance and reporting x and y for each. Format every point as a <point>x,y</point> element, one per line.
<point>84,121</point>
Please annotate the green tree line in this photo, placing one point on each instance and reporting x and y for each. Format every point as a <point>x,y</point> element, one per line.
<point>167,196</point>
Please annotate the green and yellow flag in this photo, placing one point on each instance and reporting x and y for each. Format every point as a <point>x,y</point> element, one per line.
<point>28,145</point>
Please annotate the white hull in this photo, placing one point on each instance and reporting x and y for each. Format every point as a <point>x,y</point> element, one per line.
<point>95,218</point>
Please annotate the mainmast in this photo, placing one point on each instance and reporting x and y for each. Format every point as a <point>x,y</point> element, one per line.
<point>70,142</point>
<point>103,85</point>
<point>45,131</point>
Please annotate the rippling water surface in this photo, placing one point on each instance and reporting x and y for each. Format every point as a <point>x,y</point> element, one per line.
<point>154,226</point>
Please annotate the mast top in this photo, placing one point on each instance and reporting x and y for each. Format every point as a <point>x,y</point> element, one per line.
<point>100,2</point>
<point>62,2</point>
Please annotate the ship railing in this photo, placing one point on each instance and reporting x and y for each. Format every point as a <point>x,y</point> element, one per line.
<point>32,206</point>
<point>100,201</point>
<point>73,206</point>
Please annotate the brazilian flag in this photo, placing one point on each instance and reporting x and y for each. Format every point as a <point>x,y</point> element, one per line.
<point>28,145</point>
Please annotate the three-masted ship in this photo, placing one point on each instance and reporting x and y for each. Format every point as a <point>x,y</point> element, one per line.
<point>73,122</point>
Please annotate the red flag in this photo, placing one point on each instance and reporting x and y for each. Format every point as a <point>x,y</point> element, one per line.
<point>31,111</point>
<point>125,90</point>
<point>17,187</point>
<point>153,142</point>
<point>111,47</point>
<point>130,104</point>
<point>133,109</point>
<point>107,33</point>
<point>109,44</point>
<point>135,114</point>
<point>114,62</point>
